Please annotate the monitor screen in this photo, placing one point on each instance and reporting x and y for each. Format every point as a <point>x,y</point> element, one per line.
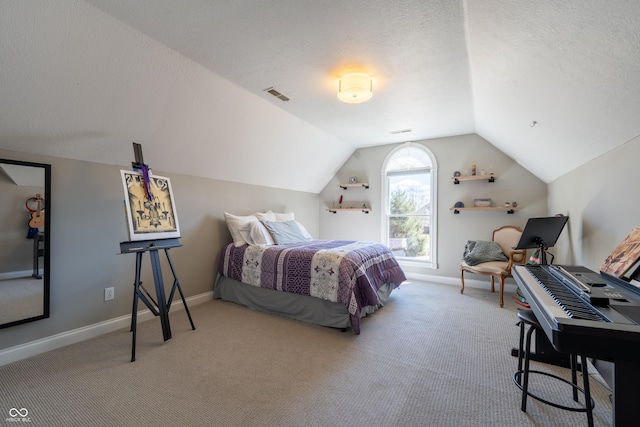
<point>542,231</point>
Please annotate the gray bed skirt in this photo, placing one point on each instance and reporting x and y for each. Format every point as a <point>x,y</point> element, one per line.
<point>300,307</point>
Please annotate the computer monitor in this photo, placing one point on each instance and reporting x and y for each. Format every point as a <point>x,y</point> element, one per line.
<point>542,233</point>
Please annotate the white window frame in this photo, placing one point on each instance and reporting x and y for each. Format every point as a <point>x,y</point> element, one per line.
<point>433,225</point>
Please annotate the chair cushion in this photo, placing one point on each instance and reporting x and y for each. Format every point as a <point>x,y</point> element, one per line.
<point>480,251</point>
<point>493,268</point>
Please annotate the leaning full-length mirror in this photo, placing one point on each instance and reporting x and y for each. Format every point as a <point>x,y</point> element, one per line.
<point>25,218</point>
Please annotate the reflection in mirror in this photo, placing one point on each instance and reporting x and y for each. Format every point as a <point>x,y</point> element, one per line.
<point>25,189</point>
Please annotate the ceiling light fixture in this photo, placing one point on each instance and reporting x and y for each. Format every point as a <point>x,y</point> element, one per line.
<point>354,88</point>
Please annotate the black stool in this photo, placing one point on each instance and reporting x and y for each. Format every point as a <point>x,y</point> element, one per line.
<point>521,376</point>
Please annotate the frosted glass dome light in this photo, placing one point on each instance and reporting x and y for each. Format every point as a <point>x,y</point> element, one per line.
<point>354,88</point>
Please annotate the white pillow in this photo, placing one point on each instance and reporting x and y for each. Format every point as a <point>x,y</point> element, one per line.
<point>255,233</point>
<point>284,216</point>
<point>266,216</point>
<point>235,223</point>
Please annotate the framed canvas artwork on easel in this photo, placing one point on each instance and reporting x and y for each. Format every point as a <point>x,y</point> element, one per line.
<point>150,209</point>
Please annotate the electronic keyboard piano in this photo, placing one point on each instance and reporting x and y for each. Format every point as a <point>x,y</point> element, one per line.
<point>594,314</point>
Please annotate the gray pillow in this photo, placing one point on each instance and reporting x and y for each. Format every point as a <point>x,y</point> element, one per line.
<point>284,232</point>
<point>479,251</point>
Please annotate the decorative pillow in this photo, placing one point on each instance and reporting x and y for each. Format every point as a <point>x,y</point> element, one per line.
<point>284,232</point>
<point>255,233</point>
<point>250,229</point>
<point>304,231</point>
<point>477,252</point>
<point>235,223</point>
<point>289,216</point>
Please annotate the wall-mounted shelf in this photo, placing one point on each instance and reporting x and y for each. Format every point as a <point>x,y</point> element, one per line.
<point>335,210</point>
<point>490,178</point>
<point>509,210</point>
<point>356,184</point>
<point>364,185</point>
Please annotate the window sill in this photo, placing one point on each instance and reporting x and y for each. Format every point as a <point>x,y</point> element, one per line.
<point>409,262</point>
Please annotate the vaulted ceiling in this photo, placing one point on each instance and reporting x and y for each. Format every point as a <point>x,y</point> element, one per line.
<point>553,84</point>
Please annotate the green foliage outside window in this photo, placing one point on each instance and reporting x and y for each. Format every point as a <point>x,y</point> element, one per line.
<point>407,227</point>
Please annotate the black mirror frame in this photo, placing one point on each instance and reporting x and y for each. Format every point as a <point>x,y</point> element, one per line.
<point>47,241</point>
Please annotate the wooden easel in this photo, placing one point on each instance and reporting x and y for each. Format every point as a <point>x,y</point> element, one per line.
<point>160,307</point>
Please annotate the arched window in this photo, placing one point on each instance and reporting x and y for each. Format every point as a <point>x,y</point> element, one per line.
<point>409,197</point>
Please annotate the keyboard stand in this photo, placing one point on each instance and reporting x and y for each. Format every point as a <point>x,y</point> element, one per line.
<point>545,353</point>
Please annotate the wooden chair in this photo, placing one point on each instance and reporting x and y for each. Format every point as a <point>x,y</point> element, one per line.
<point>507,237</point>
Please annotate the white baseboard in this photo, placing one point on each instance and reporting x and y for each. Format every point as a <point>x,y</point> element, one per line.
<point>16,274</point>
<point>53,342</point>
<point>455,281</point>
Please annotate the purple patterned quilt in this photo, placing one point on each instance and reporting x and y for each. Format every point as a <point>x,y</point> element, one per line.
<point>346,272</point>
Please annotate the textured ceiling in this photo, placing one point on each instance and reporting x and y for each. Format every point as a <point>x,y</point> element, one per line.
<point>82,79</point>
<point>414,49</point>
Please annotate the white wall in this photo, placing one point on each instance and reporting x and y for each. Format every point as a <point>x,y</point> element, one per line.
<point>601,199</point>
<point>514,183</point>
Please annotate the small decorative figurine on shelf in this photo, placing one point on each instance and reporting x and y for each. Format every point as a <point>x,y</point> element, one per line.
<point>473,170</point>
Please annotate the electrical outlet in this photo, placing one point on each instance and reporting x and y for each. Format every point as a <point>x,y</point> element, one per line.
<point>108,294</point>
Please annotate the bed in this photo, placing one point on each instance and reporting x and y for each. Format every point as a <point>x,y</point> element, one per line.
<point>326,282</point>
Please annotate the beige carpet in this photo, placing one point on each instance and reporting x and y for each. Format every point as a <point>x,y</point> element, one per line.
<point>20,299</point>
<point>430,357</point>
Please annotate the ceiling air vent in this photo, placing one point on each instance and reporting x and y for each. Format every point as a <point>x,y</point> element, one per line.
<point>277,94</point>
<point>395,132</point>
